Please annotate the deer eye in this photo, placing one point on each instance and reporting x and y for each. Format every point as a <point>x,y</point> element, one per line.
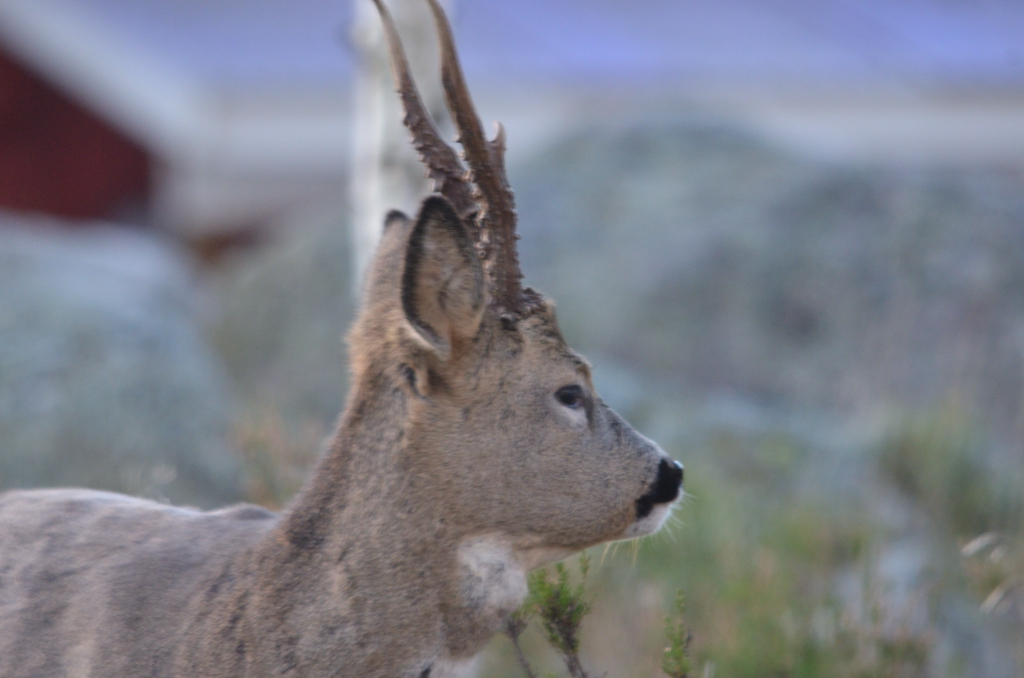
<point>570,396</point>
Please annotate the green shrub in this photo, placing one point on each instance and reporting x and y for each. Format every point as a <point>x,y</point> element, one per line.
<point>675,661</point>
<point>938,460</point>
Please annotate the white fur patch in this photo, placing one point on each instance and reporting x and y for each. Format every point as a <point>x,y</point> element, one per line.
<point>493,580</point>
<point>452,668</point>
<point>651,524</point>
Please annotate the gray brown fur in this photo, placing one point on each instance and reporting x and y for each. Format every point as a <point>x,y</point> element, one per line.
<point>455,469</point>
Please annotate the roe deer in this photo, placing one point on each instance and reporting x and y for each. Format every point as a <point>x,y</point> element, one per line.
<point>472,449</point>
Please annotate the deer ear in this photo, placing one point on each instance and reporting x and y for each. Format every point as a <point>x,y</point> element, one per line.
<point>443,293</point>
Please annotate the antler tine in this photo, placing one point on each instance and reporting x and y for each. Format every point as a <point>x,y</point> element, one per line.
<point>497,215</point>
<point>442,161</point>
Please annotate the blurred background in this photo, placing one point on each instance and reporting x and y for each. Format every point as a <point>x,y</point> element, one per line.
<point>789,235</point>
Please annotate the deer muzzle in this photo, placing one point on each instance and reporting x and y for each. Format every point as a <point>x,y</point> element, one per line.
<point>664,489</point>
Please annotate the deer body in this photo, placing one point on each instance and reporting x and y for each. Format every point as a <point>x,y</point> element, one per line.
<point>473,449</point>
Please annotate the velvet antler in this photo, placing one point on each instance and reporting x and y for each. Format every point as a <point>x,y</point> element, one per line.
<point>442,161</point>
<point>482,195</point>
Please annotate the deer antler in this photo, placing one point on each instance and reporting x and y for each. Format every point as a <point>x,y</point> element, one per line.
<point>442,161</point>
<point>484,189</point>
<point>497,215</point>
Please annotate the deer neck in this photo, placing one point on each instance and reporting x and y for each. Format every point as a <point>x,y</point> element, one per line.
<point>364,550</point>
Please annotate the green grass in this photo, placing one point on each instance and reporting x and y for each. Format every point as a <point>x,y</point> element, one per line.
<point>938,459</point>
<point>758,578</point>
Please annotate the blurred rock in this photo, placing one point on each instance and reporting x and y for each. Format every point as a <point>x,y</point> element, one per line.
<point>105,378</point>
<point>708,262</point>
<point>281,315</point>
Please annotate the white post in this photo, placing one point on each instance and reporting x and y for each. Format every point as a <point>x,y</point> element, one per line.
<point>386,173</point>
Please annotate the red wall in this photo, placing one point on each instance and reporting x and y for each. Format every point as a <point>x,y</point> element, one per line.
<point>57,157</point>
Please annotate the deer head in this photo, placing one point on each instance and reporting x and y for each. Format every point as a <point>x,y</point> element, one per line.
<point>502,425</point>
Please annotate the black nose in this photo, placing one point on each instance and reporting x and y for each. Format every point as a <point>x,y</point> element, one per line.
<point>664,489</point>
